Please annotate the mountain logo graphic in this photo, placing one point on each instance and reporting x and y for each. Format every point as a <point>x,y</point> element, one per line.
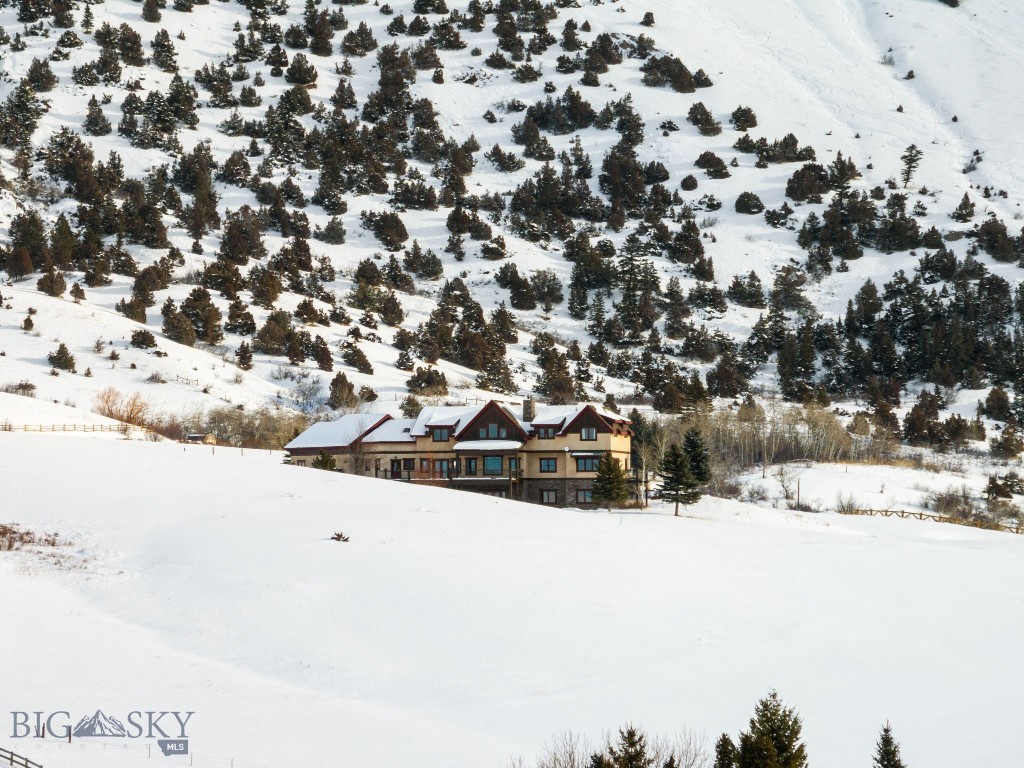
<point>99,725</point>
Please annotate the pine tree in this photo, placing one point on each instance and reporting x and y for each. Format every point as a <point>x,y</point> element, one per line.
<point>244,356</point>
<point>342,393</point>
<point>151,11</point>
<point>52,284</point>
<point>324,461</point>
<point>774,737</point>
<point>678,484</point>
<point>964,212</point>
<point>610,485</point>
<point>96,123</point>
<point>410,407</point>
<point>697,453</point>
<point>62,359</point>
<point>887,751</point>
<point>726,753</point>
<point>631,751</point>
<point>164,55</point>
<point>911,159</point>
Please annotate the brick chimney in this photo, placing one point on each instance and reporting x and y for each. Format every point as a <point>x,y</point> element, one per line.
<point>529,410</point>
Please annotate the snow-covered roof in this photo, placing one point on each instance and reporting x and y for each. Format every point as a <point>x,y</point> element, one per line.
<point>556,415</point>
<point>455,416</point>
<point>488,445</point>
<point>392,431</point>
<point>337,434</point>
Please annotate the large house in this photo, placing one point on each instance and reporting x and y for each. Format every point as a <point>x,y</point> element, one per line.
<point>546,454</point>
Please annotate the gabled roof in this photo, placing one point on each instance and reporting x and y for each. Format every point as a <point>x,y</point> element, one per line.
<point>453,416</point>
<point>608,417</point>
<point>503,410</point>
<point>340,433</point>
<point>562,417</point>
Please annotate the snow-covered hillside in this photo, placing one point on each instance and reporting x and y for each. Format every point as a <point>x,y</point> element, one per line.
<point>458,630</point>
<point>807,68</point>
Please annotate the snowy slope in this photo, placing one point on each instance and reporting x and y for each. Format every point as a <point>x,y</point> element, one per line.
<point>805,67</point>
<point>454,629</point>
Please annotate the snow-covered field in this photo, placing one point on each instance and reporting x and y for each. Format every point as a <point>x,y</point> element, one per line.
<point>458,630</point>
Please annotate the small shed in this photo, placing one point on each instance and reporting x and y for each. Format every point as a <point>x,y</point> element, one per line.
<point>202,438</point>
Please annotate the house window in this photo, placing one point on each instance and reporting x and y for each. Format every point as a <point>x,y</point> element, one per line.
<point>549,465</point>
<point>513,464</point>
<point>549,497</point>
<point>300,463</point>
<point>492,431</point>
<point>546,433</point>
<point>441,467</point>
<point>584,497</point>
<point>492,465</point>
<point>424,465</point>
<point>470,467</point>
<point>588,433</point>
<point>408,465</point>
<point>440,434</point>
<point>587,464</point>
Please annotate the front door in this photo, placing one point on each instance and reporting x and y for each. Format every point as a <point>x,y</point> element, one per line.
<point>396,468</point>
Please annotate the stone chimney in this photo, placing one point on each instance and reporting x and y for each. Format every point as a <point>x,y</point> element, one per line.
<point>529,410</point>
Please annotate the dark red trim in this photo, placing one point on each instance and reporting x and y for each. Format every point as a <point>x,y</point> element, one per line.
<point>505,414</point>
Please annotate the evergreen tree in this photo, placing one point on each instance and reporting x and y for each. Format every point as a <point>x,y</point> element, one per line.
<point>96,123</point>
<point>151,11</point>
<point>52,284</point>
<point>19,262</point>
<point>773,740</point>
<point>62,359</point>
<point>699,457</point>
<point>726,753</point>
<point>244,356</point>
<point>610,485</point>
<point>342,393</point>
<point>964,212</point>
<point>324,461</point>
<point>164,55</point>
<point>678,484</point>
<point>911,159</point>
<point>630,752</point>
<point>887,751</point>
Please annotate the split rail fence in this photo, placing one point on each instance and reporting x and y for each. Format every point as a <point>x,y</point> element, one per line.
<point>10,759</point>
<point>985,524</point>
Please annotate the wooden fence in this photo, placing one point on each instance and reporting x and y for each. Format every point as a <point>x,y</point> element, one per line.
<point>988,525</point>
<point>9,758</point>
<point>121,428</point>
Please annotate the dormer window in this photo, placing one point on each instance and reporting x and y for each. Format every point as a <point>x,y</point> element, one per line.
<point>545,433</point>
<point>588,433</point>
<point>441,434</point>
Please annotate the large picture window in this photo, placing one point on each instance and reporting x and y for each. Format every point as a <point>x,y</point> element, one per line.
<point>492,465</point>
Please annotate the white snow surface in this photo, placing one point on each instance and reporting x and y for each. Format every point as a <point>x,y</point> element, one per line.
<point>460,630</point>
